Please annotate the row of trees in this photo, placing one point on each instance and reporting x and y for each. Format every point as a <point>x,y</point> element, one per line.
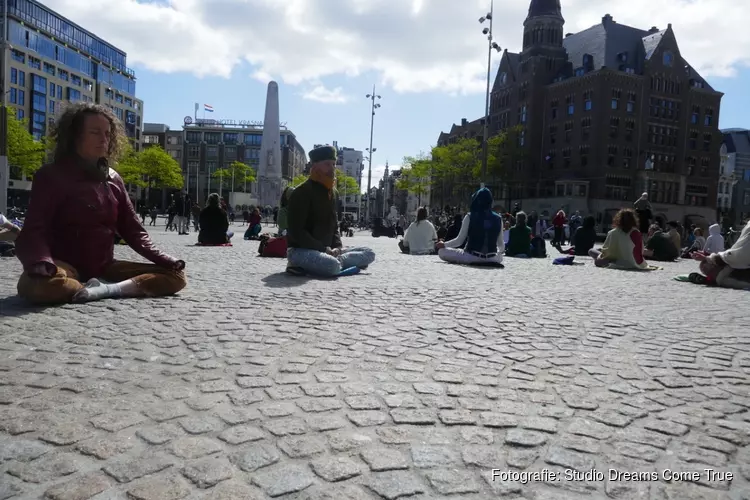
<point>459,164</point>
<point>344,183</point>
<point>150,168</point>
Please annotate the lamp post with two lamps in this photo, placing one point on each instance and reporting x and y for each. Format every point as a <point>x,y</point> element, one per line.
<point>371,150</point>
<point>491,46</point>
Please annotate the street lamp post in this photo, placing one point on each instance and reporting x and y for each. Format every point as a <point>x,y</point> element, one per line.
<point>374,106</point>
<point>4,167</point>
<point>491,45</point>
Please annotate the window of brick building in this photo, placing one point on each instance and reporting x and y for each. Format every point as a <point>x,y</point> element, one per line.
<point>629,130</point>
<point>550,159</point>
<point>614,126</point>
<point>553,109</point>
<point>695,114</point>
<point>704,166</point>
<point>691,164</point>
<point>584,150</point>
<point>696,195</point>
<point>522,114</point>
<point>553,134</point>
<point>693,142</point>
<point>194,151</point>
<point>571,104</point>
<point>566,158</point>
<point>587,104</point>
<point>627,157</point>
<point>568,131</point>
<point>709,118</point>
<point>707,138</point>
<point>611,155</point>
<point>586,129</point>
<point>522,138</point>
<point>560,190</point>
<point>523,91</point>
<point>617,188</point>
<point>616,96</point>
<point>631,103</point>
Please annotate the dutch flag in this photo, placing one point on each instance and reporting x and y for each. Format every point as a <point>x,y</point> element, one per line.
<point>209,108</point>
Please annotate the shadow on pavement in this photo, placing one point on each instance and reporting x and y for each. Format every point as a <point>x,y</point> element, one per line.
<point>16,306</point>
<point>284,280</point>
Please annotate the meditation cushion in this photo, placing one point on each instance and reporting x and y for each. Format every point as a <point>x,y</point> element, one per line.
<point>213,244</point>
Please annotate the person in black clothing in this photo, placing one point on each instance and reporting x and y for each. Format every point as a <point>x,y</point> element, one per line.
<point>659,246</point>
<point>584,238</point>
<point>454,228</point>
<point>214,223</point>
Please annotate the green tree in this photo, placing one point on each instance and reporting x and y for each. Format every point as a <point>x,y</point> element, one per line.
<point>504,153</point>
<point>236,174</point>
<point>159,168</point>
<point>24,153</point>
<point>299,179</point>
<point>130,168</point>
<point>416,172</point>
<point>345,183</point>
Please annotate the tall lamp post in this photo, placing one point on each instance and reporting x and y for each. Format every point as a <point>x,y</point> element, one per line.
<point>491,45</point>
<point>373,107</point>
<point>4,167</point>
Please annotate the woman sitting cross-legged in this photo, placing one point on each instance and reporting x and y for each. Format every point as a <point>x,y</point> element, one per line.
<point>519,238</point>
<point>482,230</point>
<point>623,248</point>
<point>730,268</point>
<point>78,204</point>
<point>214,223</point>
<point>254,228</point>
<point>583,239</point>
<point>420,237</point>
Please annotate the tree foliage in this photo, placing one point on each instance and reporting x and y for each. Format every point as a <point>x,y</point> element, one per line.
<point>346,183</point>
<point>237,171</point>
<point>24,152</point>
<point>299,179</point>
<point>416,172</point>
<point>151,168</point>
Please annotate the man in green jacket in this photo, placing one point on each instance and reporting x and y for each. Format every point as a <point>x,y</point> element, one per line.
<point>312,235</point>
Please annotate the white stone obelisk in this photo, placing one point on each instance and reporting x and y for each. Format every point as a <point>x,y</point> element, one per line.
<point>269,168</point>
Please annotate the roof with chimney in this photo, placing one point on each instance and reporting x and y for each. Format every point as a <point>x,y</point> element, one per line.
<point>613,45</point>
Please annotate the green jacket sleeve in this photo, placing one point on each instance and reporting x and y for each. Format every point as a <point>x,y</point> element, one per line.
<point>297,214</point>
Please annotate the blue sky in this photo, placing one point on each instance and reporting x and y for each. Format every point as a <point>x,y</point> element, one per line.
<point>427,58</point>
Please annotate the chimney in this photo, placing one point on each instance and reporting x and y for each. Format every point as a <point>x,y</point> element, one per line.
<point>463,122</point>
<point>568,34</point>
<point>669,26</point>
<point>606,19</point>
<point>653,30</point>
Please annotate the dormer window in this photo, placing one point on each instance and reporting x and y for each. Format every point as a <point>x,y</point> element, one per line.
<point>588,61</point>
<point>503,77</point>
<point>622,57</point>
<point>580,72</point>
<point>668,58</point>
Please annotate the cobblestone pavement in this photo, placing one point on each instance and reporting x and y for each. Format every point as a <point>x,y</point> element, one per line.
<point>414,379</point>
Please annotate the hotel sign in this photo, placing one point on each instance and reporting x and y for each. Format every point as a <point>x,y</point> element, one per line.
<point>225,123</point>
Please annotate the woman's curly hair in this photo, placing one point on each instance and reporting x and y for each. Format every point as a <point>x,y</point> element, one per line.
<point>626,219</point>
<point>69,125</point>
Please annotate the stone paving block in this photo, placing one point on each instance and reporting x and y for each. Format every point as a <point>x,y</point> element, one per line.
<point>81,487</point>
<point>46,468</point>
<point>105,448</point>
<point>208,472</point>
<point>22,450</point>
<point>256,456</point>
<point>396,484</point>
<point>283,480</point>
<point>125,471</point>
<point>452,481</point>
<point>384,459</point>
<point>170,487</point>
<point>194,447</point>
<point>334,469</point>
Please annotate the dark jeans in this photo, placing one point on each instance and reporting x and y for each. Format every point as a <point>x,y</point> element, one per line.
<point>559,235</point>
<point>643,220</point>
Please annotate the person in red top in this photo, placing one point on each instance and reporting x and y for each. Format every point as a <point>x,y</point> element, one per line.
<point>559,224</point>
<point>78,205</point>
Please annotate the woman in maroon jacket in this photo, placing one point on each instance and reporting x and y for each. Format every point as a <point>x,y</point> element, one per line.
<point>78,204</point>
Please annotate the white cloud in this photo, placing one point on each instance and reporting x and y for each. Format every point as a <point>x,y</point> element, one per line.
<point>321,94</point>
<point>413,46</point>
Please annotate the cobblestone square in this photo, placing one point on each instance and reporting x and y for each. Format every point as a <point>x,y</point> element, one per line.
<point>414,379</point>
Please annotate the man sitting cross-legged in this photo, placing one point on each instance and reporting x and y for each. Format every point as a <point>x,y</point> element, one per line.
<point>312,235</point>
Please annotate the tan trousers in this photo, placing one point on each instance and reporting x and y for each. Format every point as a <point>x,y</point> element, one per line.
<point>7,235</point>
<point>152,280</point>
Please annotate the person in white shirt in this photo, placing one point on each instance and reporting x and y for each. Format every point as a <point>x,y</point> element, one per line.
<point>482,231</point>
<point>729,268</point>
<point>8,233</point>
<point>715,241</point>
<point>421,236</point>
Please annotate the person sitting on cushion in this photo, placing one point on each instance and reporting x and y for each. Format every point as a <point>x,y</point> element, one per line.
<point>214,223</point>
<point>623,248</point>
<point>254,228</point>
<point>420,238</point>
<point>730,268</point>
<point>660,245</point>
<point>78,204</point>
<point>519,238</point>
<point>583,239</point>
<point>313,238</point>
<point>481,230</point>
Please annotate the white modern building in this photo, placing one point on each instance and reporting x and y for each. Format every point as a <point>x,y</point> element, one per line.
<point>727,179</point>
<point>733,196</point>
<point>350,161</point>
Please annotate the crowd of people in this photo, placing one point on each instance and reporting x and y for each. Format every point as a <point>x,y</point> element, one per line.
<point>66,245</point>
